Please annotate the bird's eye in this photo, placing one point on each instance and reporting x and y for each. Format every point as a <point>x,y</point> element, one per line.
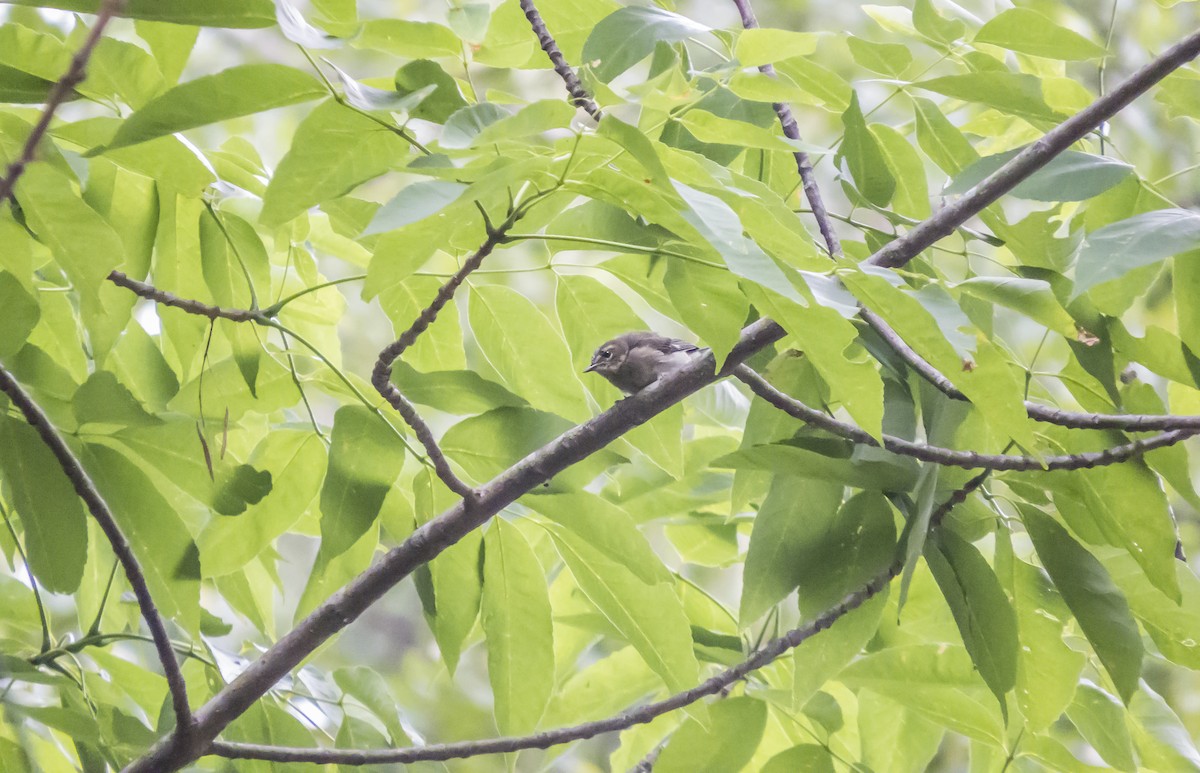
<point>606,354</point>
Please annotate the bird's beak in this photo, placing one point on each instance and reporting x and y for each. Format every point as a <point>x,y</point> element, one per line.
<point>591,367</point>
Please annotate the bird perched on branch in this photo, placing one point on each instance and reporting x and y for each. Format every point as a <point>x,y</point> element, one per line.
<point>634,361</point>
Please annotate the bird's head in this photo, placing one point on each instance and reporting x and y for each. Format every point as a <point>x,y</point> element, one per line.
<point>609,358</point>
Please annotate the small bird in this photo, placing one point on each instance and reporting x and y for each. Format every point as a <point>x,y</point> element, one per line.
<point>634,361</point>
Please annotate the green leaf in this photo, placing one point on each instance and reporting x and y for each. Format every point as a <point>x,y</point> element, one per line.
<point>526,350</point>
<point>469,122</point>
<point>237,91</point>
<point>935,681</point>
<point>629,35</point>
<point>488,444</point>
<point>1031,297</point>
<point>726,743</point>
<point>930,23</point>
<point>82,242</point>
<point>865,158</point>
<point>239,486</point>
<point>650,617</point>
<point>807,757</point>
<point>787,533</point>
<point>896,738</point>
<point>414,202</point>
<point>709,301</point>
<point>1069,176</point>
<point>241,14</point>
<point>453,391</point>
<point>1110,252</point>
<point>868,468</point>
<point>1173,625</point>
<point>984,616</point>
<point>420,75</point>
<point>17,87</point>
<point>757,46</point>
<point>1096,602</point>
<point>917,529</point>
<point>890,59</point>
<point>1047,667</point>
<point>908,170</point>
<point>1029,32</point>
<point>821,658</point>
<point>829,341</point>
<point>333,150</point>
<point>941,140</point>
<point>516,621</point>
<point>1100,719</point>
<point>531,121</point>
<point>409,39</point>
<point>711,128</point>
<point>369,688</point>
<point>364,459</point>
<point>51,514</point>
<point>720,226</point>
<point>1163,740</point>
<point>1015,94</point>
<point>296,461</point>
<point>102,400</point>
<point>159,539</point>
<point>21,314</point>
<point>605,527</point>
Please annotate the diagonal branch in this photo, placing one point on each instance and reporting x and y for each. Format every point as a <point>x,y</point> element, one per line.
<point>432,538</point>
<point>75,74</point>
<point>899,252</point>
<point>87,491</point>
<point>636,716</point>
<point>949,456</point>
<point>579,95</point>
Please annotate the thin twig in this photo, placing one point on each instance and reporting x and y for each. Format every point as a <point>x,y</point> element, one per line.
<point>579,95</point>
<point>381,376</point>
<point>949,456</point>
<point>99,509</point>
<point>191,306</point>
<point>791,130</point>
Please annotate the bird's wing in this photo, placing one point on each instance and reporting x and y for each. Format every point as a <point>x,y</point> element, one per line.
<point>671,345</point>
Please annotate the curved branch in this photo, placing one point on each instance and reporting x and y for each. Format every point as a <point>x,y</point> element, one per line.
<point>626,719</point>
<point>381,376</point>
<point>87,491</point>
<point>948,456</point>
<point>579,95</point>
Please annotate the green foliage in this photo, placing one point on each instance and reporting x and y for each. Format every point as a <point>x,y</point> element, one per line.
<point>1042,623</point>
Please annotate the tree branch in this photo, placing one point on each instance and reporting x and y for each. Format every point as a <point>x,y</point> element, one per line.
<point>949,456</point>
<point>87,491</point>
<point>579,95</point>
<point>191,306</point>
<point>432,538</point>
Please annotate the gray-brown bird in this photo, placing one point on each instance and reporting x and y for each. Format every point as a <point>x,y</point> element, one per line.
<point>634,361</point>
